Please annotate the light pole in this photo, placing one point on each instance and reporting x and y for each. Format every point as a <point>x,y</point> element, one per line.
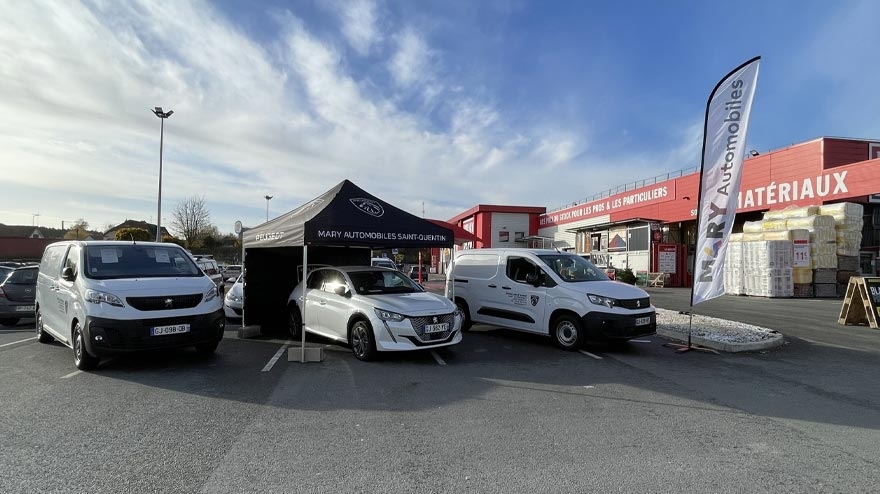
<point>162,116</point>
<point>267,206</point>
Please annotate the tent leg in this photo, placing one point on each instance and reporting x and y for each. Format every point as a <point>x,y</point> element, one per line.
<point>303,353</point>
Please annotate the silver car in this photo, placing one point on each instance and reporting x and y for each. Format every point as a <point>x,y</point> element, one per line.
<point>234,299</point>
<point>373,309</point>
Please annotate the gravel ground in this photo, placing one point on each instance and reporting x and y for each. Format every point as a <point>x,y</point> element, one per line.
<point>712,328</point>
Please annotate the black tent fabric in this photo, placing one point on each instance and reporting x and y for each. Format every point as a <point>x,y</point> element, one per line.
<point>338,228</point>
<point>347,215</point>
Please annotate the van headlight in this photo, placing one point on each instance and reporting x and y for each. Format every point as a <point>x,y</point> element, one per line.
<point>387,315</point>
<point>211,294</point>
<point>97,297</point>
<point>600,300</point>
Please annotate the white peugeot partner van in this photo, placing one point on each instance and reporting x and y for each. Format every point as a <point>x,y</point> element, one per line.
<point>100,298</point>
<point>547,292</point>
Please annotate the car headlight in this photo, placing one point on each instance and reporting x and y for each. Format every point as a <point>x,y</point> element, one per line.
<point>600,300</point>
<point>97,297</point>
<point>387,315</point>
<point>211,294</point>
<point>231,297</point>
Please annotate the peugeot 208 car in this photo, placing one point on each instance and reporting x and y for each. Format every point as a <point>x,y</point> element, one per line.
<point>373,309</point>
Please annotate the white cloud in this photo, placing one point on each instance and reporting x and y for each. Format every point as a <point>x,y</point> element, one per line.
<point>412,62</point>
<point>359,23</point>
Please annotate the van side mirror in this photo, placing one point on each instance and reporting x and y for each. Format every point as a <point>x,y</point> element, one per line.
<point>67,274</point>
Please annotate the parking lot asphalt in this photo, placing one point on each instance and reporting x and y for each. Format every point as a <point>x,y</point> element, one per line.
<point>501,412</point>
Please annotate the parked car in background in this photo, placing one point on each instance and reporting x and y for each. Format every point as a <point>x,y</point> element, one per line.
<point>234,300</point>
<point>232,271</point>
<point>210,267</point>
<point>372,309</point>
<point>18,287</point>
<point>102,298</point>
<point>416,270</point>
<point>383,262</point>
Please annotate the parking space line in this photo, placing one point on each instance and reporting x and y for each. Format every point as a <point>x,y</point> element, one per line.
<point>437,358</point>
<point>641,341</point>
<point>72,374</point>
<point>275,357</point>
<point>17,342</point>
<point>590,355</point>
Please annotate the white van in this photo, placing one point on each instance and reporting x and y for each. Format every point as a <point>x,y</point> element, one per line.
<point>547,292</point>
<point>101,298</point>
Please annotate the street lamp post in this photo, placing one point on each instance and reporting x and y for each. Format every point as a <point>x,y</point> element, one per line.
<point>267,206</point>
<point>162,116</point>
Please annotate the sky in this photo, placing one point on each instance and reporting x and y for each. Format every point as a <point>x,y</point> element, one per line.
<point>432,106</point>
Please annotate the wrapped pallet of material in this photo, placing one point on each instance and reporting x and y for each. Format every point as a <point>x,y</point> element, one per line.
<point>752,227</point>
<point>773,283</point>
<point>825,290</point>
<point>842,211</point>
<point>734,282</point>
<point>767,254</point>
<point>792,235</point>
<point>800,212</point>
<point>812,223</point>
<point>803,290</point>
<point>848,263</point>
<point>825,276</point>
<point>752,237</point>
<point>774,225</point>
<point>736,237</point>
<point>849,242</point>
<point>802,275</point>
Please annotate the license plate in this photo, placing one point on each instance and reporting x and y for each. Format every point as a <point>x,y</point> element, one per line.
<point>436,328</point>
<point>174,329</point>
<point>641,321</point>
<point>24,308</point>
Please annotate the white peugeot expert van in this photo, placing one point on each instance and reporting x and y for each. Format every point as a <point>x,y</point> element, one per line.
<point>547,292</point>
<point>100,298</point>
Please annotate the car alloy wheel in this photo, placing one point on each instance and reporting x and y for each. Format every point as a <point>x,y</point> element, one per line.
<point>362,344</point>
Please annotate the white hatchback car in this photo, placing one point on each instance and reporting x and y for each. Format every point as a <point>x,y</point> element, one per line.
<point>373,309</point>
<point>234,300</point>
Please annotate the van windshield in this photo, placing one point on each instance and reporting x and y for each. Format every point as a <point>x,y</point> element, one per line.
<point>104,262</point>
<point>573,268</point>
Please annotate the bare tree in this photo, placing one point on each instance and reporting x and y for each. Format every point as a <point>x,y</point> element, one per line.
<point>191,219</point>
<point>79,229</point>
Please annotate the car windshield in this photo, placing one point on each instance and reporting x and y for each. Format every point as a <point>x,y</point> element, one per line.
<point>4,272</point>
<point>573,268</point>
<point>382,282</point>
<point>138,261</point>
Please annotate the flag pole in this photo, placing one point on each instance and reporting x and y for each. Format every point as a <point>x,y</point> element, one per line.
<point>732,161</point>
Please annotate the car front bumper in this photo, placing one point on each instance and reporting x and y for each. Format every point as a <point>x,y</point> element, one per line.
<point>110,336</point>
<point>401,336</point>
<point>606,326</point>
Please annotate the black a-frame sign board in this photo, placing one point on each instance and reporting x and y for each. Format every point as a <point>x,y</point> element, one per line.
<point>861,305</point>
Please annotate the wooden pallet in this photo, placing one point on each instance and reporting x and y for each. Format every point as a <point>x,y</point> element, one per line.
<point>861,304</point>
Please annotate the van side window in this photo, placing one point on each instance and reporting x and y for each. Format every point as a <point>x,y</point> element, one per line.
<point>477,266</point>
<point>519,267</point>
<point>51,262</point>
<point>72,260</point>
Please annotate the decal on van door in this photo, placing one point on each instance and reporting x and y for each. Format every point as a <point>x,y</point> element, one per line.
<point>534,300</point>
<point>517,298</point>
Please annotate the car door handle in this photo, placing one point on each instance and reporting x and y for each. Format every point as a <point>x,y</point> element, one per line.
<point>505,288</point>
<point>493,286</point>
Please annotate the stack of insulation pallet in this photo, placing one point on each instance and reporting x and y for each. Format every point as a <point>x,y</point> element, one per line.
<point>734,268</point>
<point>822,252</point>
<point>848,226</point>
<point>767,268</point>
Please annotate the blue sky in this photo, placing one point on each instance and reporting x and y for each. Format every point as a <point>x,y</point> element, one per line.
<point>434,106</point>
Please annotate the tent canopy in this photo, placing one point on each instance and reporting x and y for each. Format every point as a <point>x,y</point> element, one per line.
<point>461,235</point>
<point>347,215</point>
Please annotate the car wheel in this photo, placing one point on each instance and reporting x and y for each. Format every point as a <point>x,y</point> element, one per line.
<point>81,357</point>
<point>363,345</point>
<point>294,320</point>
<point>567,332</point>
<point>42,336</point>
<point>207,348</point>
<point>463,307</point>
<point>11,321</point>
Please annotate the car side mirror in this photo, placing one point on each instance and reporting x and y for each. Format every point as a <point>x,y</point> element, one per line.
<point>342,290</point>
<point>67,274</point>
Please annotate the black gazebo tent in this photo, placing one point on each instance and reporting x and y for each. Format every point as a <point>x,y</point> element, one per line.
<point>339,228</point>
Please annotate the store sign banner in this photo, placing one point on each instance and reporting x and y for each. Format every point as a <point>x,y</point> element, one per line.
<point>724,141</point>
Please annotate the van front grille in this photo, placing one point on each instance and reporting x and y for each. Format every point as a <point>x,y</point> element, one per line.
<point>635,303</point>
<point>165,303</point>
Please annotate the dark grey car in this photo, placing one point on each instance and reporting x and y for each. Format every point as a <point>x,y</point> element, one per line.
<point>18,287</point>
